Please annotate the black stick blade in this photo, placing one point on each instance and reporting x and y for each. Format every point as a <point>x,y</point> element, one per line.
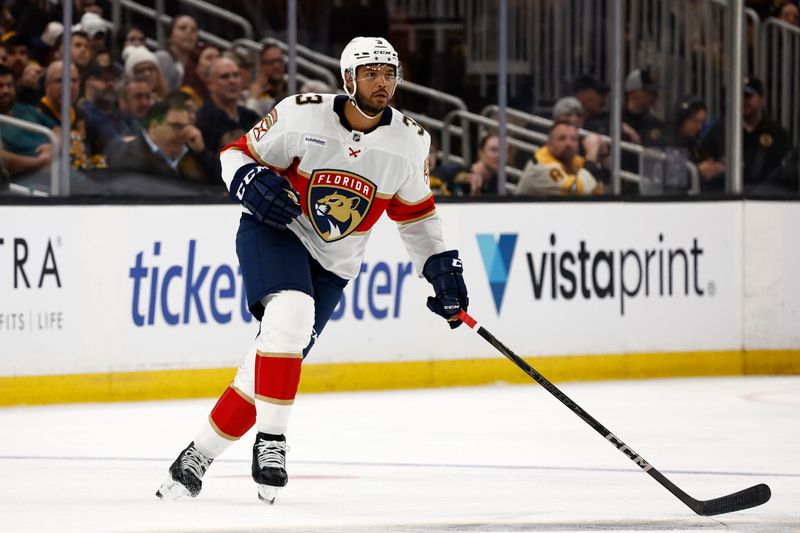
<point>744,499</point>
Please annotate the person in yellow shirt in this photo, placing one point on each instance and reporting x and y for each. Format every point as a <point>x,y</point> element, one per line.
<point>557,170</point>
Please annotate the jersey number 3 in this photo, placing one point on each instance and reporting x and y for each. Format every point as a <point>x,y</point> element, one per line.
<point>411,123</point>
<point>303,99</point>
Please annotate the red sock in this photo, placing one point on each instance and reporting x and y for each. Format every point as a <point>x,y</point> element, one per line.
<point>277,377</point>
<point>233,414</point>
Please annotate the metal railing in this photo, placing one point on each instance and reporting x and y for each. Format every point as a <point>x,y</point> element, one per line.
<point>165,20</point>
<point>55,186</point>
<point>465,117</point>
<point>223,14</point>
<point>426,9</point>
<point>302,61</point>
<point>551,43</point>
<point>640,151</point>
<point>447,130</point>
<point>225,44</point>
<point>780,64</point>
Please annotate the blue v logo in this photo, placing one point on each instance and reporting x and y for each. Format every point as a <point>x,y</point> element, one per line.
<point>497,255</point>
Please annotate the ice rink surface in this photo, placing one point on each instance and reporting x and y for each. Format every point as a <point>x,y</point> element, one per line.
<point>499,459</point>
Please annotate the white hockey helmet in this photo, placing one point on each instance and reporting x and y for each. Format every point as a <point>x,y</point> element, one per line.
<point>368,51</point>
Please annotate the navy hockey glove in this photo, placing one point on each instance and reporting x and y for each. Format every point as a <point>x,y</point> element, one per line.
<point>265,194</point>
<point>443,271</point>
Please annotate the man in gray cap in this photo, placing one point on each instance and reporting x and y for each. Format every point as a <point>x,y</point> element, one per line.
<point>568,109</point>
<point>591,146</point>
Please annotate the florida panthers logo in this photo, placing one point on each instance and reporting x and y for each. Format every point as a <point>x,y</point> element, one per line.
<point>337,202</point>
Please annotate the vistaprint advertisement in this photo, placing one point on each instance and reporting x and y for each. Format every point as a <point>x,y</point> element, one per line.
<point>124,288</point>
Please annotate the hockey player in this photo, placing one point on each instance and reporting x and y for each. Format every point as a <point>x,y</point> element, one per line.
<point>313,177</point>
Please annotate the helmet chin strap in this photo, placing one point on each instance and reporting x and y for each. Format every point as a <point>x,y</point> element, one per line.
<point>355,104</point>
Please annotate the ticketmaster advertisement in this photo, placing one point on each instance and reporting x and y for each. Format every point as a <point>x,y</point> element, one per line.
<point>90,289</point>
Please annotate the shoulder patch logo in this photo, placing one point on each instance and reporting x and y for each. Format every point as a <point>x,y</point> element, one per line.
<point>261,129</point>
<point>338,201</point>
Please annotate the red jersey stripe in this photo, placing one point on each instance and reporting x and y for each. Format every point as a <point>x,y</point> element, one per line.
<point>400,211</point>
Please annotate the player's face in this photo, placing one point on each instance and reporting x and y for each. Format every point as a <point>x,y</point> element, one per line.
<point>374,87</point>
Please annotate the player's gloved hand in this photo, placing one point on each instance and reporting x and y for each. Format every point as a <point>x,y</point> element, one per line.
<point>443,271</point>
<point>266,195</point>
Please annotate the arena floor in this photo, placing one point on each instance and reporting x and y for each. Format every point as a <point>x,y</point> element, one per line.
<point>497,459</point>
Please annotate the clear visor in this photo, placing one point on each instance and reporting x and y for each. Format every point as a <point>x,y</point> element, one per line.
<point>372,73</point>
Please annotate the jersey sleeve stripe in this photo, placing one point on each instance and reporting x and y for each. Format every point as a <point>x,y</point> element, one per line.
<point>403,212</point>
<point>422,217</point>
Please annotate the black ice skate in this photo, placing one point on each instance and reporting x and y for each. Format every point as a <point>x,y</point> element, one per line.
<point>185,475</point>
<point>269,465</point>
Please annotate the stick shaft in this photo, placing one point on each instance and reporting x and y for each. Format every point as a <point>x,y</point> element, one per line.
<point>741,500</point>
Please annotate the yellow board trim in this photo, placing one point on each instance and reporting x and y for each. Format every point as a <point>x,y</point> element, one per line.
<point>204,383</point>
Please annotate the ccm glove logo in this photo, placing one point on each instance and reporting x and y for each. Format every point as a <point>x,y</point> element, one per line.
<point>246,181</point>
<point>268,196</point>
<point>443,271</point>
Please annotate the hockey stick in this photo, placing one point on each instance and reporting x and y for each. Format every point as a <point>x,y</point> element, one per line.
<point>744,499</point>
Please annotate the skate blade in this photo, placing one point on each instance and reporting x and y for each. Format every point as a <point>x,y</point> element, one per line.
<point>171,490</point>
<point>267,493</point>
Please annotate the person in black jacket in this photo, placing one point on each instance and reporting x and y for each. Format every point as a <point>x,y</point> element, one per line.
<point>222,119</point>
<point>169,146</point>
<point>765,143</point>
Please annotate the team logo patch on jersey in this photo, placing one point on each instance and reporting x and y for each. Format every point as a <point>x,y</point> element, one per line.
<point>337,202</point>
<point>266,123</point>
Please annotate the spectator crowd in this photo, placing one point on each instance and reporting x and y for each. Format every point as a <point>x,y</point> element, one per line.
<point>683,149</point>
<point>134,108</point>
<point>166,112</point>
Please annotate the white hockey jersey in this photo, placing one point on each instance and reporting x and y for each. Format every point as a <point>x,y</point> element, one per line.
<point>346,179</point>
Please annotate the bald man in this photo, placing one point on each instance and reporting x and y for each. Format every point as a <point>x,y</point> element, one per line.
<point>221,119</point>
